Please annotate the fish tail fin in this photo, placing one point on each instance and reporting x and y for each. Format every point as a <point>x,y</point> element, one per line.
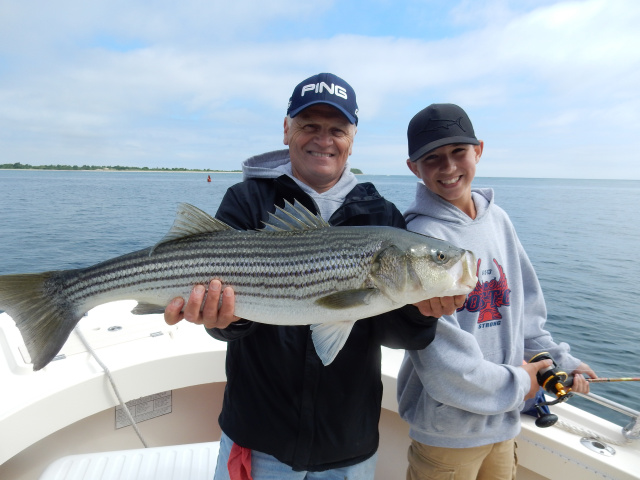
<point>44,317</point>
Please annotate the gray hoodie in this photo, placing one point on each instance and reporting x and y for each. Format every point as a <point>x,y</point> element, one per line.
<point>465,389</point>
<point>277,163</point>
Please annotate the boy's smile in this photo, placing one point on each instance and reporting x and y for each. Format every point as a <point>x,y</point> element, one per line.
<point>452,181</point>
<point>448,172</point>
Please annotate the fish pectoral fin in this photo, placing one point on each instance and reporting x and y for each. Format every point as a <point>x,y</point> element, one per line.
<point>347,298</point>
<point>329,338</point>
<point>147,309</point>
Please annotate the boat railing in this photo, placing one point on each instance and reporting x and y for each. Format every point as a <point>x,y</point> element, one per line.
<point>630,431</point>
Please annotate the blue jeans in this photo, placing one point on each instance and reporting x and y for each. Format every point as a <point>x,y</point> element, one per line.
<point>267,467</point>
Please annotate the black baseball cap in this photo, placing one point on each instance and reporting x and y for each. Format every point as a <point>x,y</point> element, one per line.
<point>437,125</point>
<point>324,88</point>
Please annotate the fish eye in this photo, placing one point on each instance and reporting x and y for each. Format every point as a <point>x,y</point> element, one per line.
<point>439,256</point>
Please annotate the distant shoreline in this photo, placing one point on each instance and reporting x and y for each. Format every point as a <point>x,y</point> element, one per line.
<point>118,168</point>
<point>114,170</point>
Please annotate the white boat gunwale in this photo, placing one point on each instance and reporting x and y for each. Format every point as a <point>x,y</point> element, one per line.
<point>47,401</point>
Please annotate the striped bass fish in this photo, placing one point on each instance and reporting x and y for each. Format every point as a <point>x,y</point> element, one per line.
<point>298,270</point>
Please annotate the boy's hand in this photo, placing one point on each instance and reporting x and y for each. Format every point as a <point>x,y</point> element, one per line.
<point>439,306</point>
<point>580,384</point>
<point>532,369</point>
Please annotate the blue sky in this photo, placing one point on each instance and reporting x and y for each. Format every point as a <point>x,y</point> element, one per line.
<point>551,86</point>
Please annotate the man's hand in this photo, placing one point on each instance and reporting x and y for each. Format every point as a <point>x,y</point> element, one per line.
<point>439,306</point>
<point>208,315</point>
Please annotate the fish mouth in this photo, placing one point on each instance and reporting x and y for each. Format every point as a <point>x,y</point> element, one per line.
<point>469,278</point>
<point>464,275</point>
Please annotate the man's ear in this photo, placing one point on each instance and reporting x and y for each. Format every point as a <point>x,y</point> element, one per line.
<point>355,130</point>
<point>285,139</point>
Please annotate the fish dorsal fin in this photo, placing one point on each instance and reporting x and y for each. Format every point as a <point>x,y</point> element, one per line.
<point>190,221</point>
<point>293,217</point>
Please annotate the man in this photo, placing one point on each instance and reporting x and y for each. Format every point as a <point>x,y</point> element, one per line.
<point>298,418</point>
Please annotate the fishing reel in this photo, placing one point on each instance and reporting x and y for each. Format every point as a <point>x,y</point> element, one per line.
<point>555,382</point>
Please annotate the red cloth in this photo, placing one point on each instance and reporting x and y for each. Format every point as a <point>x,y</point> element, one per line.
<point>239,464</point>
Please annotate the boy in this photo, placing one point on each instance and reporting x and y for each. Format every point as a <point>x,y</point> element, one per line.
<point>462,394</point>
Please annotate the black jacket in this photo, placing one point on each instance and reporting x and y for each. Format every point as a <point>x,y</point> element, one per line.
<point>280,399</point>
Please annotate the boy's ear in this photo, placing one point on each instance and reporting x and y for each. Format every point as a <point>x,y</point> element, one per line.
<point>413,167</point>
<point>479,149</point>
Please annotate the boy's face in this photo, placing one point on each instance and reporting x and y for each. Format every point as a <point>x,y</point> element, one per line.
<point>448,171</point>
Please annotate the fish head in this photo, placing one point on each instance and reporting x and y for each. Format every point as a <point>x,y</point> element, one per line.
<point>440,270</point>
<point>425,267</point>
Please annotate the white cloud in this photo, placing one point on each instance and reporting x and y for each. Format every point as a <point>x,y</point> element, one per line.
<point>68,23</point>
<point>203,82</point>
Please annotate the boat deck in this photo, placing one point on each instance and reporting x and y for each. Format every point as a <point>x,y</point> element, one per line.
<point>195,461</point>
<point>67,408</point>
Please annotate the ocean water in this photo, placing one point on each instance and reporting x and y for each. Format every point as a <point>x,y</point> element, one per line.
<point>582,236</point>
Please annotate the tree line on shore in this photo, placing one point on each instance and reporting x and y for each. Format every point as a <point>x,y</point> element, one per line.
<point>23,166</point>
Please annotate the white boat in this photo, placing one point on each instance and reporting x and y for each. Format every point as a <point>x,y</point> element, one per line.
<point>61,422</point>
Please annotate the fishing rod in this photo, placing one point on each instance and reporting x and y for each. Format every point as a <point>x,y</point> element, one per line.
<point>558,383</point>
<point>621,379</point>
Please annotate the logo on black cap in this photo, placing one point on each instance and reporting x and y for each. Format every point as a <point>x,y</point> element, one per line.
<point>443,124</point>
<point>437,125</point>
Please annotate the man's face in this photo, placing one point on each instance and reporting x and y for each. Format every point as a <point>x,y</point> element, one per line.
<point>320,140</point>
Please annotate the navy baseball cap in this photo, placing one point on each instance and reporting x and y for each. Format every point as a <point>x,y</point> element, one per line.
<point>324,88</point>
<point>437,125</point>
